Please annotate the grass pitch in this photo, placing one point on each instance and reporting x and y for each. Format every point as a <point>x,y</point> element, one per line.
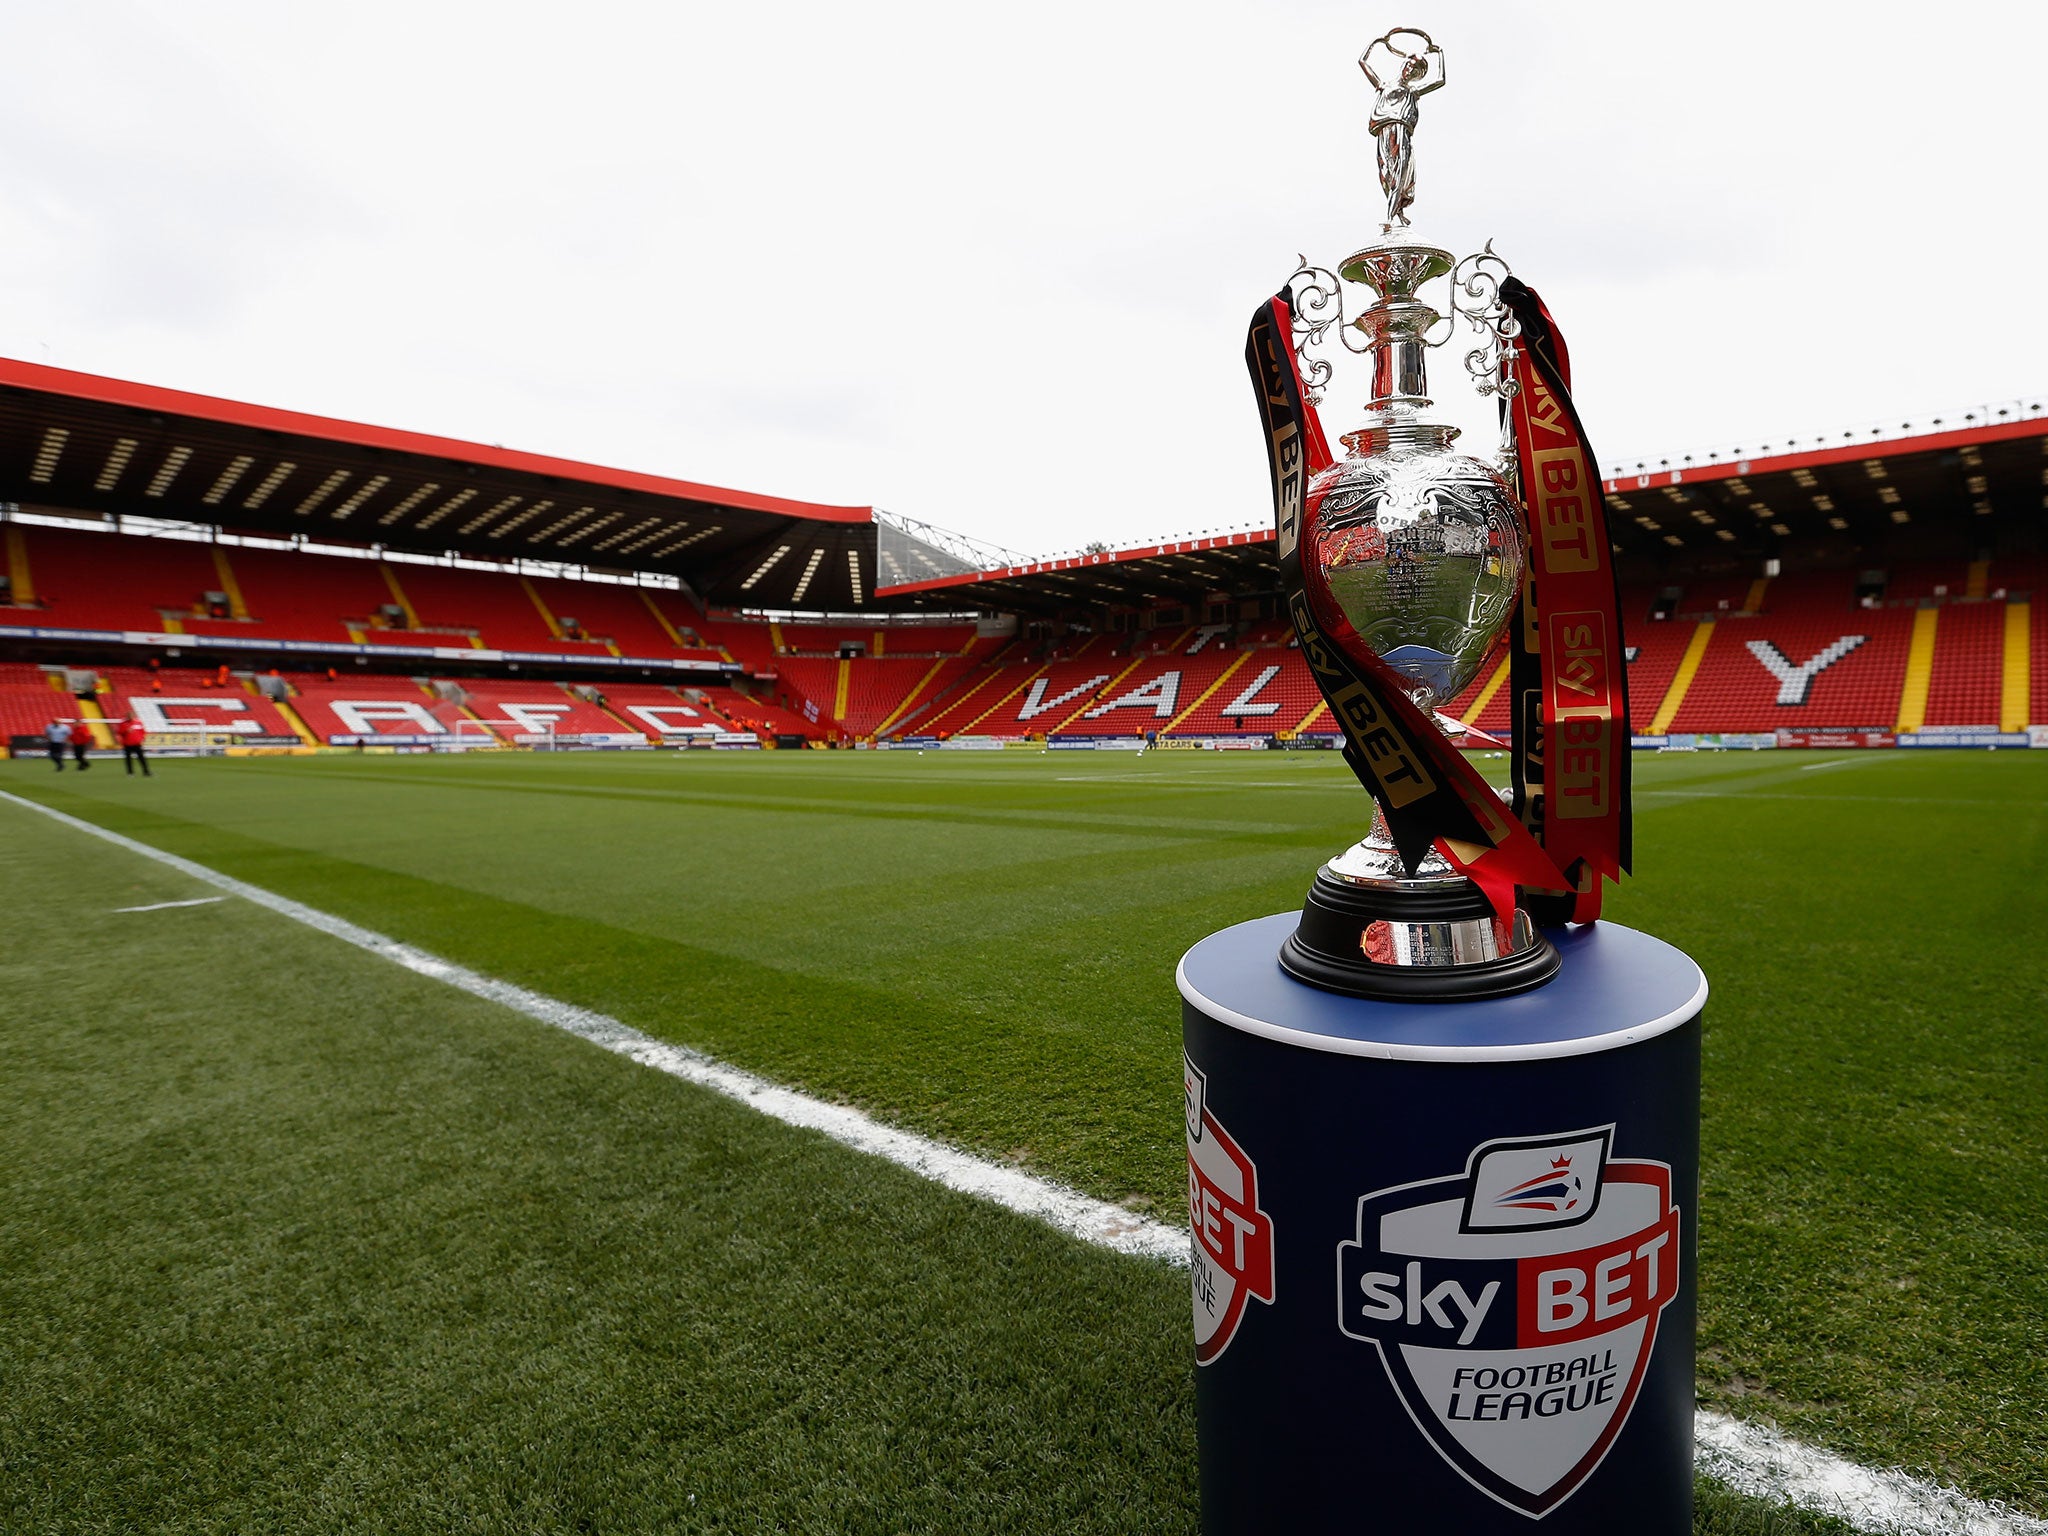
<point>292,1240</point>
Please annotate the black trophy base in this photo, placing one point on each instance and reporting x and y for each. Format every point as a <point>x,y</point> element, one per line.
<point>1419,935</point>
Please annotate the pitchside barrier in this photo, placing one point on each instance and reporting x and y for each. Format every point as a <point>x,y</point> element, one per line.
<point>198,741</point>
<point>1983,736</point>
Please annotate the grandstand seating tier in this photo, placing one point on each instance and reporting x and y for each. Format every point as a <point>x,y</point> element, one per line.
<point>954,681</point>
<point>494,605</point>
<point>85,583</point>
<point>1270,690</point>
<point>376,704</point>
<point>28,701</point>
<point>513,708</point>
<point>619,614</point>
<point>218,707</point>
<point>309,597</point>
<point>1734,690</point>
<point>764,716</point>
<point>668,711</point>
<point>1969,664</point>
<point>1660,646</point>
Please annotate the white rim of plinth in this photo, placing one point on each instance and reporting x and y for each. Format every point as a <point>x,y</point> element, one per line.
<point>1391,1050</point>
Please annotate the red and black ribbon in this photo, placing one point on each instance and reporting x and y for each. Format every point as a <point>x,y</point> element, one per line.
<point>1430,793</point>
<point>1571,759</point>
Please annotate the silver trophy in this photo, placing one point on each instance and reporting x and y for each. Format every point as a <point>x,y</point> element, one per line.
<point>1416,554</point>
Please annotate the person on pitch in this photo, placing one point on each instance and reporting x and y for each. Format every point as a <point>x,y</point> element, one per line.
<point>132,737</point>
<point>81,743</point>
<point>58,734</point>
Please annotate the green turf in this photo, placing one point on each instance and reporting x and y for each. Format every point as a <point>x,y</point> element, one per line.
<point>293,1240</point>
<point>981,947</point>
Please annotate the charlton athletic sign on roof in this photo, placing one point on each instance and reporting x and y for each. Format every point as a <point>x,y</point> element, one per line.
<point>1515,1305</point>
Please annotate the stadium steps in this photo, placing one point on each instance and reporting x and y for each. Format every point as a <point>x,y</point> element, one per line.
<point>2037,713</point>
<point>2015,685</point>
<point>960,693</point>
<point>1488,690</point>
<point>1023,683</point>
<point>96,721</point>
<point>291,718</point>
<point>662,619</point>
<point>1100,694</point>
<point>1682,679</point>
<point>237,609</point>
<point>20,577</point>
<point>1964,677</point>
<point>541,607</point>
<point>1204,696</point>
<point>1919,670</point>
<point>391,584</point>
<point>910,698</point>
<point>86,583</point>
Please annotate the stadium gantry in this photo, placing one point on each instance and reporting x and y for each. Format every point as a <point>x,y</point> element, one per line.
<point>271,578</point>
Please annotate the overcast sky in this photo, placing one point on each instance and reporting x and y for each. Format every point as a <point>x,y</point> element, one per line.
<point>991,267</point>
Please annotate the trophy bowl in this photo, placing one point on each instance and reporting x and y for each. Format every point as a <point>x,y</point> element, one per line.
<point>1415,553</point>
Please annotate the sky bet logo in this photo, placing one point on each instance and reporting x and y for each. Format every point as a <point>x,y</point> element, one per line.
<point>1515,1305</point>
<point>1230,1240</point>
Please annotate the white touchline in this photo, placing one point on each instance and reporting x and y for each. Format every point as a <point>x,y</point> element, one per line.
<point>1096,1221</point>
<point>1747,1457</point>
<point>161,906</point>
<point>1761,1462</point>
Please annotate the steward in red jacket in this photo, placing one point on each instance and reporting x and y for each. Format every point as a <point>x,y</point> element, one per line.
<point>133,735</point>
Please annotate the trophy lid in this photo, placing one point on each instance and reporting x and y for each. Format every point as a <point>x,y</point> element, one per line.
<point>1404,66</point>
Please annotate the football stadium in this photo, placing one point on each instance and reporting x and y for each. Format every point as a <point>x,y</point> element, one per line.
<point>544,996</point>
<point>304,1239</point>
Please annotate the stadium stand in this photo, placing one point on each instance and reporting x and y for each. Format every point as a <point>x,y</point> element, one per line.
<point>503,609</point>
<point>751,645</point>
<point>764,716</point>
<point>628,617</point>
<point>308,597</point>
<point>939,678</point>
<point>189,697</point>
<point>376,704</point>
<point>1923,631</point>
<point>105,581</point>
<point>1036,699</point>
<point>663,712</point>
<point>512,708</point>
<point>1813,661</point>
<point>30,698</point>
<point>1967,665</point>
<point>2038,650</point>
<point>1487,703</point>
<point>1660,645</point>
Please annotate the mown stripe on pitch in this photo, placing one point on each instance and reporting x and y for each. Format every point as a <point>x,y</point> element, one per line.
<point>1748,1457</point>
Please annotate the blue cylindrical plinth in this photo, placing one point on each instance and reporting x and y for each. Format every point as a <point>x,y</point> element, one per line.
<point>1443,1258</point>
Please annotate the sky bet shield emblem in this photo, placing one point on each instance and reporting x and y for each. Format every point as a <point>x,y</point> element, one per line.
<point>1515,1305</point>
<point>1230,1249</point>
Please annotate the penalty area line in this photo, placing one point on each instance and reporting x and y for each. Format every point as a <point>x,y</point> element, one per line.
<point>165,906</point>
<point>1747,1457</point>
